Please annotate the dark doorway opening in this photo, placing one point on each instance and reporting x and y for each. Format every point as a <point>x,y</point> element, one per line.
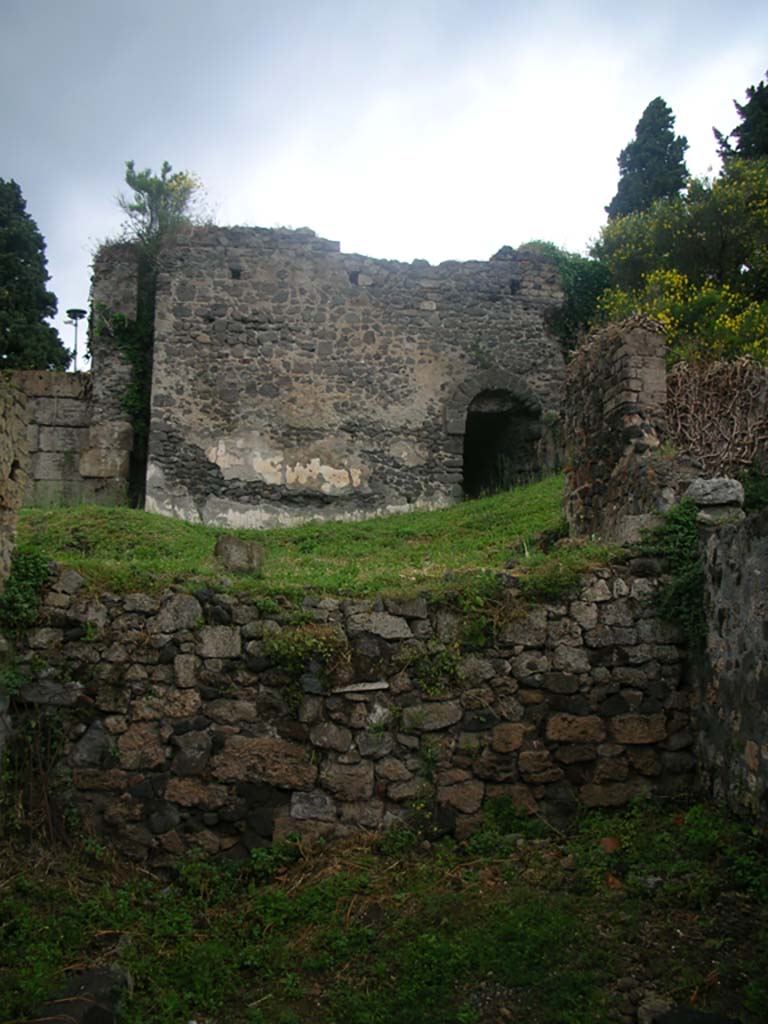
<point>500,442</point>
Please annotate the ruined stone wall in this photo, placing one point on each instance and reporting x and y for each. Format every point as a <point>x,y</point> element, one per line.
<point>13,482</point>
<point>292,381</point>
<point>619,478</point>
<point>64,466</point>
<point>13,464</point>
<point>189,721</point>
<point>732,692</point>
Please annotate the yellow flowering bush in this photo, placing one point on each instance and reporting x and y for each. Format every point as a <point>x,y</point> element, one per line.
<point>701,321</point>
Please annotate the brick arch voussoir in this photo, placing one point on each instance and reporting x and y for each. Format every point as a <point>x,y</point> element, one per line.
<point>489,380</point>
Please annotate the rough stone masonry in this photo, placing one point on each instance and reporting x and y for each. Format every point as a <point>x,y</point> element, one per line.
<point>189,720</point>
<point>293,382</point>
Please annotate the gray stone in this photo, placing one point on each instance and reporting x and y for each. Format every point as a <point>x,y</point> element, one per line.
<point>220,642</point>
<point>374,744</point>
<point>719,490</point>
<point>180,611</point>
<point>239,555</point>
<point>58,693</point>
<point>407,608</point>
<point>389,627</point>
<point>194,753</point>
<point>69,582</point>
<point>232,712</point>
<point>328,736</point>
<point>348,782</point>
<point>313,806</point>
<point>92,746</point>
<point>432,716</point>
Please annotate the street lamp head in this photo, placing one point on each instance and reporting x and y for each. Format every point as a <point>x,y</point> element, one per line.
<point>77,314</point>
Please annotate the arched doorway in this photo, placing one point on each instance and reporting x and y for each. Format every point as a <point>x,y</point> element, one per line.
<point>500,439</point>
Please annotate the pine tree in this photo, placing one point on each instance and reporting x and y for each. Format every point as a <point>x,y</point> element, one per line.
<point>652,166</point>
<point>26,341</point>
<point>752,134</point>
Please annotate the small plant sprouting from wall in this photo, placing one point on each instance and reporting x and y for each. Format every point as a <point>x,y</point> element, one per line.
<point>677,542</point>
<point>134,339</point>
<point>436,668</point>
<point>294,648</point>
<point>20,600</point>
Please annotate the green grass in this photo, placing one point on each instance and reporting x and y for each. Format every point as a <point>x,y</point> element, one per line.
<point>499,929</point>
<point>450,550</point>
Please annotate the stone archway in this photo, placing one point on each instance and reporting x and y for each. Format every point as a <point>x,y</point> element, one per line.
<point>499,420</point>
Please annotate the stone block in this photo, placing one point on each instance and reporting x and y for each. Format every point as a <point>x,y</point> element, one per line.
<point>61,439</point>
<point>432,716</point>
<point>65,412</point>
<point>116,435</point>
<point>565,728</point>
<point>220,642</point>
<point>104,462</point>
<point>54,466</point>
<point>180,611</point>
<point>239,555</point>
<point>720,490</point>
<point>266,759</point>
<point>466,797</point>
<point>388,627</point>
<point>314,806</point>
<point>348,781</point>
<point>631,729</point>
<point>507,737</point>
<point>328,736</point>
<point>537,766</point>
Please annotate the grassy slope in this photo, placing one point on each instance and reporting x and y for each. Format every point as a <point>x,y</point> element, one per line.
<point>122,549</point>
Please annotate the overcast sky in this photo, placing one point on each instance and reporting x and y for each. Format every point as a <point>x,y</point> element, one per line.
<point>402,128</point>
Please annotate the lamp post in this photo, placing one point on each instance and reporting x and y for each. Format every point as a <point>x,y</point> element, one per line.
<point>76,315</point>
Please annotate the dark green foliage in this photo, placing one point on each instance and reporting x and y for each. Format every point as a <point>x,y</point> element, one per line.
<point>584,280</point>
<point>652,166</point>
<point>20,600</point>
<point>680,856</point>
<point>294,648</point>
<point>26,341</point>
<point>755,485</point>
<point>417,934</point>
<point>677,541</point>
<point>751,136</point>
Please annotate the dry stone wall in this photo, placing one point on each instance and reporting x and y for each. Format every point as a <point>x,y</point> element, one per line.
<point>732,688</point>
<point>192,721</point>
<point>293,382</point>
<point>619,476</point>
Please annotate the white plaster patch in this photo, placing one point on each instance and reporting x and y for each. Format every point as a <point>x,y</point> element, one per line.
<point>328,479</point>
<point>246,456</point>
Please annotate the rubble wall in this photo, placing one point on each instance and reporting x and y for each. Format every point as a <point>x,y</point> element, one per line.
<point>214,722</point>
<point>619,476</point>
<point>732,688</point>
<point>293,382</point>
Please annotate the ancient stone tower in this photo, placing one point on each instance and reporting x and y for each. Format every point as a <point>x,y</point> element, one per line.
<point>293,382</point>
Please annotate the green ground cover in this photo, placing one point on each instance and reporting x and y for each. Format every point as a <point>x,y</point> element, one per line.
<point>518,924</point>
<point>450,550</point>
